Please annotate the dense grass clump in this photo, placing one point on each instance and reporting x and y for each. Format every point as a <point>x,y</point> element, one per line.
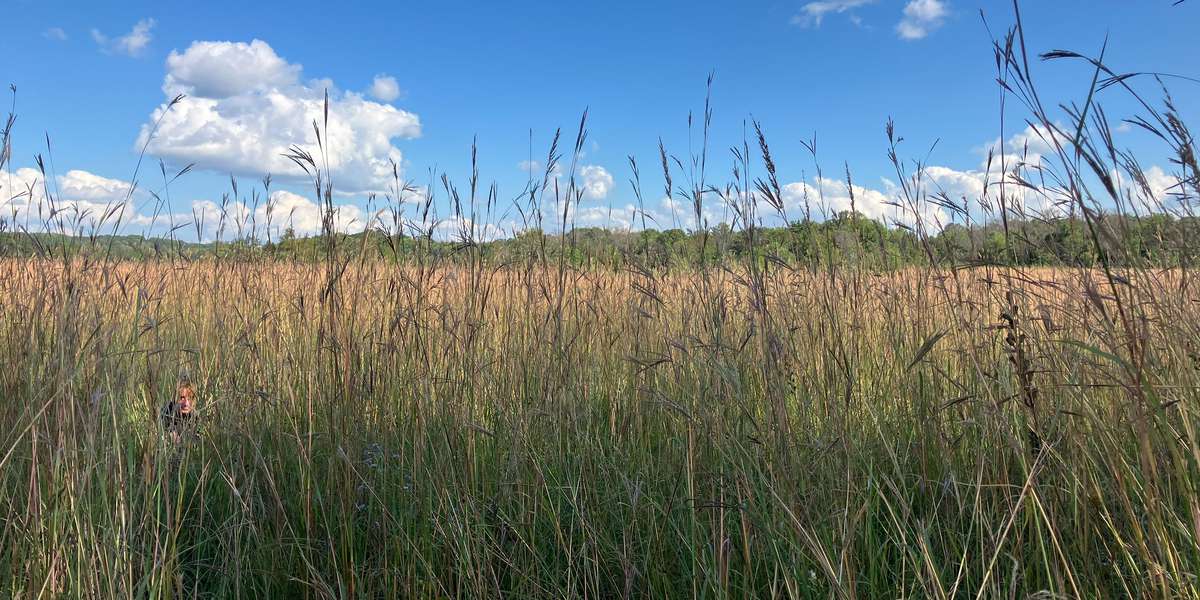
<point>803,417</point>
<point>453,433</point>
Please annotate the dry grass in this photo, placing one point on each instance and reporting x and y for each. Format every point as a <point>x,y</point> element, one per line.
<point>472,432</point>
<point>453,427</point>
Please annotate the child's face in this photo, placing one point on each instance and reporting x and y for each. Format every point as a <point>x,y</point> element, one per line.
<point>186,399</point>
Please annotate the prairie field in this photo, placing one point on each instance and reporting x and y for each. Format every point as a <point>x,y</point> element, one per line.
<point>461,430</point>
<point>739,376</point>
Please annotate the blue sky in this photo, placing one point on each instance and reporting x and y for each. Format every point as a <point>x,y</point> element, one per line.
<point>92,76</point>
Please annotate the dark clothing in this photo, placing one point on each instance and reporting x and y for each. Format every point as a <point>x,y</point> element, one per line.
<point>174,420</point>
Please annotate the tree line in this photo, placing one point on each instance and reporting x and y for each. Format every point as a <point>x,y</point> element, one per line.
<point>847,238</point>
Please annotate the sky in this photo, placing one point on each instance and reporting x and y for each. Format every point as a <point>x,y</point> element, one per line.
<point>419,83</point>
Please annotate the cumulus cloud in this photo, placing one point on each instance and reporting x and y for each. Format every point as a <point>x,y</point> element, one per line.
<point>827,197</point>
<point>921,17</point>
<point>596,182</point>
<point>385,88</point>
<point>283,210</point>
<point>55,33</point>
<point>304,215</point>
<point>623,218</point>
<point>82,185</point>
<point>1035,141</point>
<point>1161,184</point>
<point>77,202</point>
<point>1155,190</point>
<point>971,192</point>
<point>1027,149</point>
<point>130,44</point>
<point>592,182</point>
<point>460,229</point>
<point>214,221</point>
<point>221,70</point>
<point>1031,176</point>
<point>247,106</point>
<point>82,202</point>
<point>813,13</point>
<point>674,213</point>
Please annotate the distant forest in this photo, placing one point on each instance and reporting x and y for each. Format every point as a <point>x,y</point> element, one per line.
<point>1157,240</point>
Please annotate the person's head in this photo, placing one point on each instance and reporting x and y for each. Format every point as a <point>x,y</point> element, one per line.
<point>185,398</point>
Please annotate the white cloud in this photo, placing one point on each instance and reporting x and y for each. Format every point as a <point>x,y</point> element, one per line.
<point>283,210</point>
<point>837,198</point>
<point>304,215</point>
<point>1028,147</point>
<point>956,183</point>
<point>1156,191</point>
<point>247,106</point>
<point>674,213</point>
<point>55,33</point>
<point>921,17</point>
<point>972,190</point>
<point>1032,174</point>
<point>622,218</point>
<point>295,211</point>
<point>1038,141</point>
<point>220,70</point>
<point>213,221</point>
<point>78,201</point>
<point>813,13</point>
<point>593,182</point>
<point>130,44</point>
<point>826,197</point>
<point>462,229</point>
<point>1162,184</point>
<point>81,200</point>
<point>385,88</point>
<point>82,185</point>
<point>596,182</point>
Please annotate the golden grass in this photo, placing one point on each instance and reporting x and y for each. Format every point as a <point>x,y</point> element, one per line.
<point>453,430</point>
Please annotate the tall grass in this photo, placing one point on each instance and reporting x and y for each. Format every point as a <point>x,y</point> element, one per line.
<point>459,427</point>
